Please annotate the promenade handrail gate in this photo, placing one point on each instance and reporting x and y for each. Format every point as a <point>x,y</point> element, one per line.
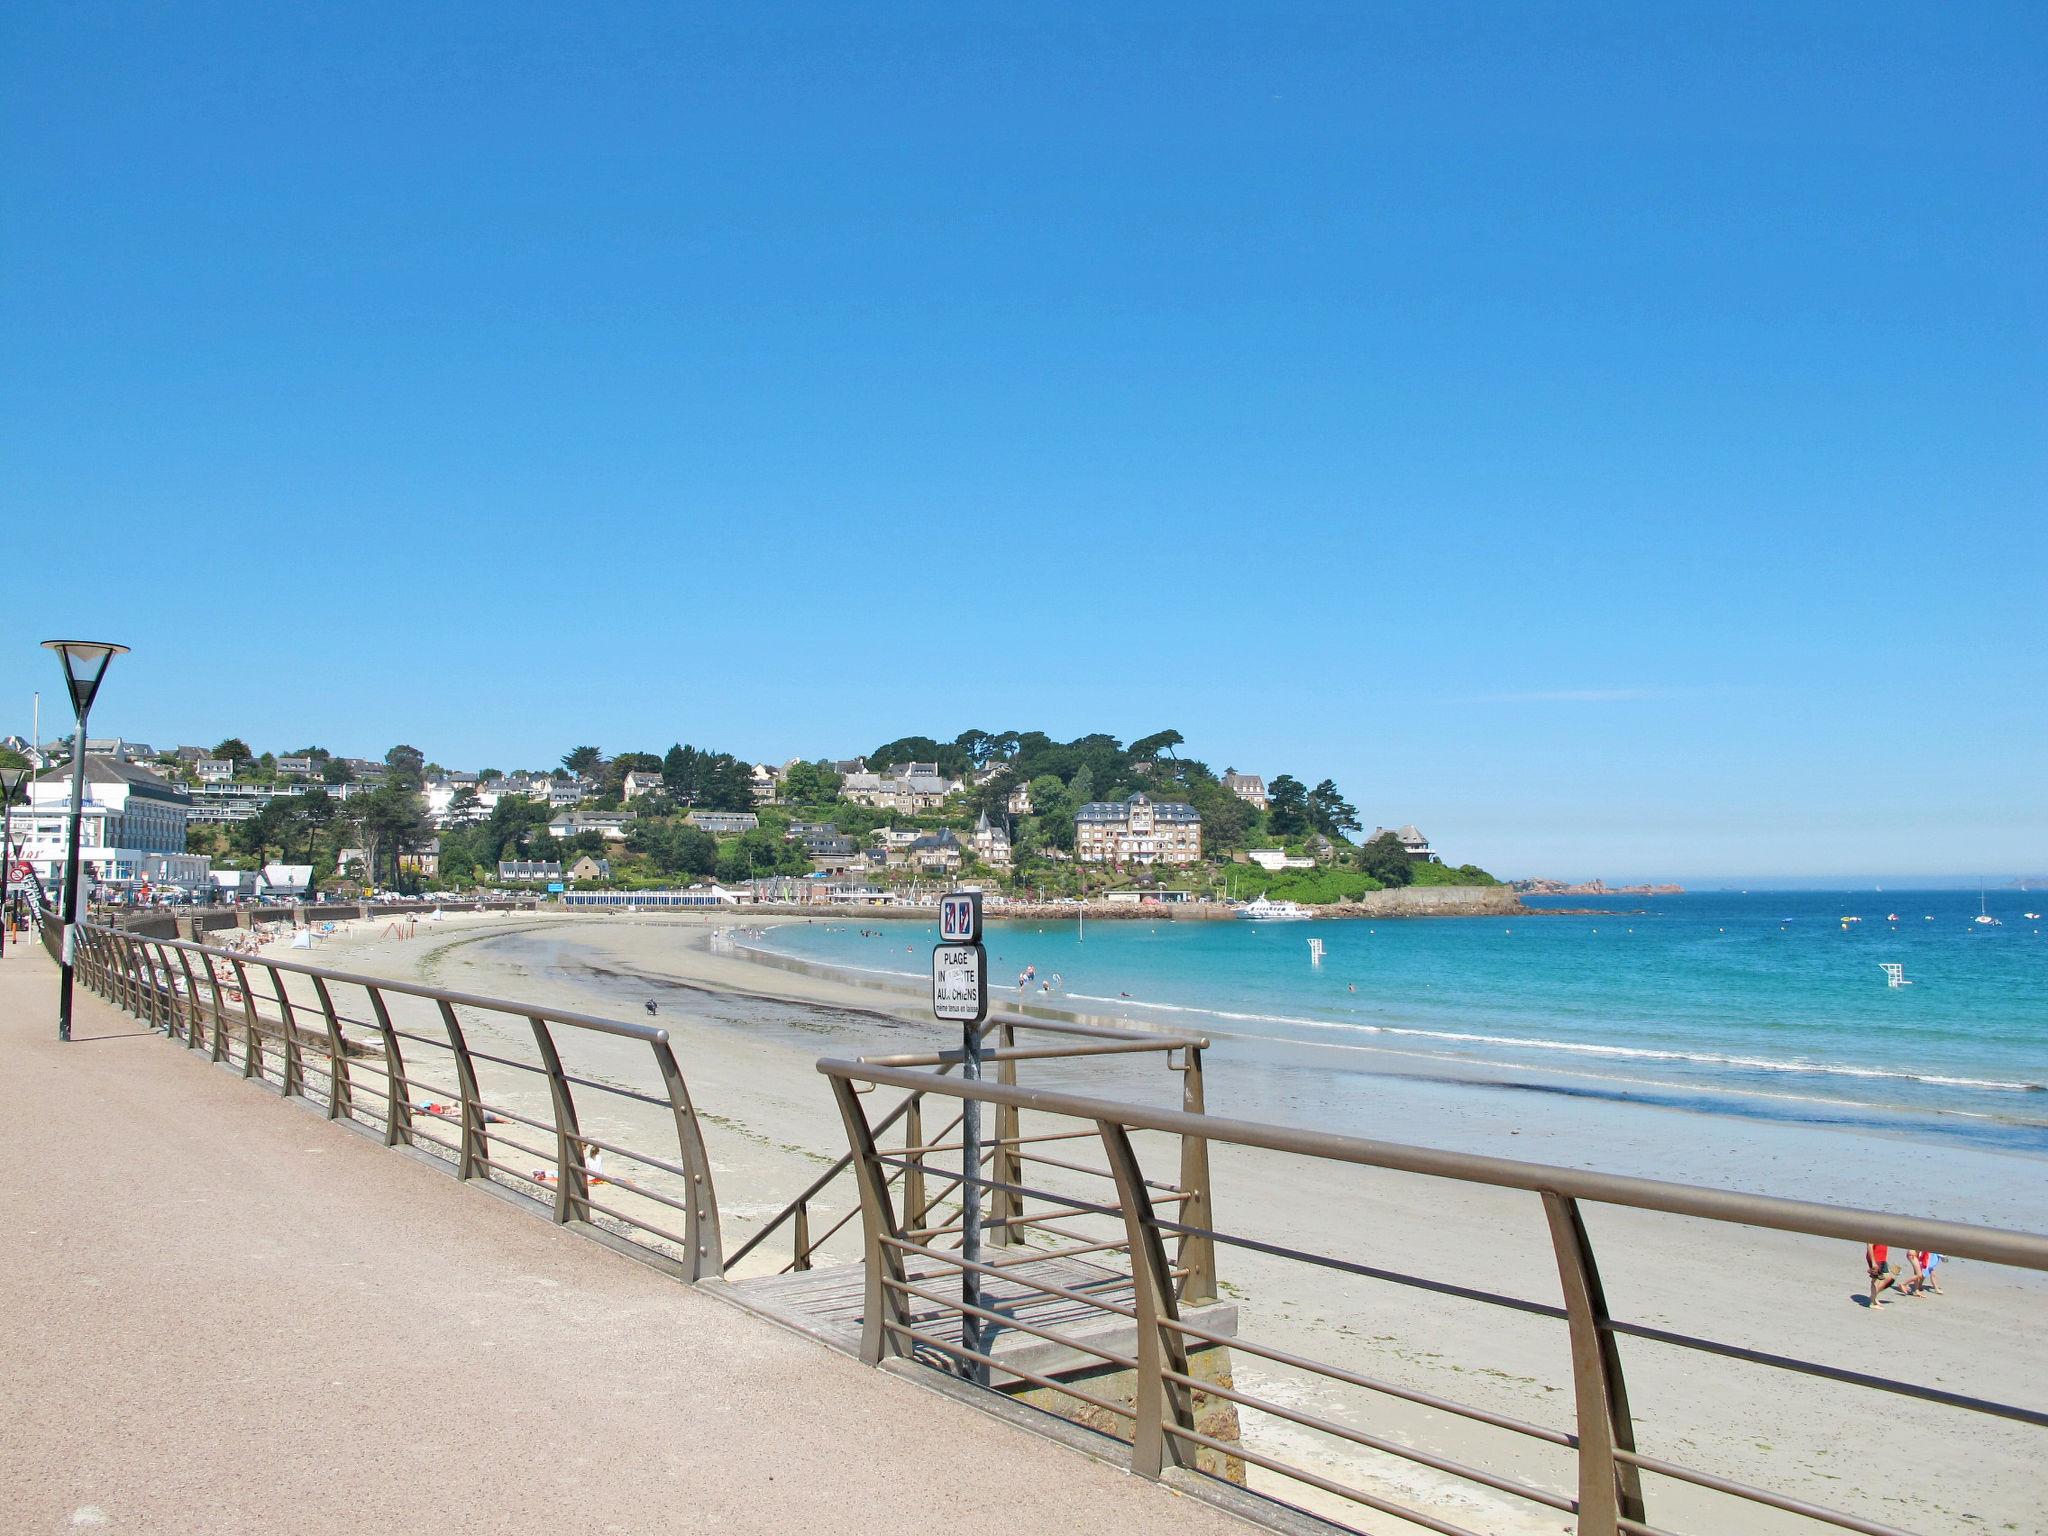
<point>928,1189</point>
<point>1157,1420</point>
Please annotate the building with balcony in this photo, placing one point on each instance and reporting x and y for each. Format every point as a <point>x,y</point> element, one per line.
<point>1139,830</point>
<point>132,831</point>
<point>723,821</point>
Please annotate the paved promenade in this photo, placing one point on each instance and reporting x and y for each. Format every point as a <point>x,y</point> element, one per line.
<point>220,1314</point>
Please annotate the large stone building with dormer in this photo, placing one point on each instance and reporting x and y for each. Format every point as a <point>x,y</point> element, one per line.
<point>1139,830</point>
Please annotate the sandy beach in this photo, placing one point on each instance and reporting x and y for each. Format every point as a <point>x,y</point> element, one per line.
<point>747,1036</point>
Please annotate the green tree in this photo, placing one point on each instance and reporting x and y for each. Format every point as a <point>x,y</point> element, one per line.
<point>1329,812</point>
<point>234,750</point>
<point>389,820</point>
<point>9,758</point>
<point>1287,807</point>
<point>1160,744</point>
<point>1052,812</point>
<point>257,835</point>
<point>408,766</point>
<point>1386,861</point>
<point>335,771</point>
<point>582,761</point>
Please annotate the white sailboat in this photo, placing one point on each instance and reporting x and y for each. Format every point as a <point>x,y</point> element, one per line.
<point>1984,919</point>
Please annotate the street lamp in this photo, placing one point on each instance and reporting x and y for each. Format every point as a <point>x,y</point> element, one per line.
<point>10,781</point>
<point>85,667</point>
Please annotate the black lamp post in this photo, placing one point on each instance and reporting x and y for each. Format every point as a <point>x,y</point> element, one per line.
<point>85,667</point>
<point>10,781</point>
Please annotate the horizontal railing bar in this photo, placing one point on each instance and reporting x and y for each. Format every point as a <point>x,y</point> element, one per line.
<point>963,1353</point>
<point>1122,1032</point>
<point>509,1171</point>
<point>1755,1495</point>
<point>435,994</point>
<point>439,1141</point>
<point>954,1264</point>
<point>502,1140</point>
<point>624,1093</point>
<point>2025,1250</point>
<point>519,1119</point>
<point>418,1039</point>
<point>1303,1475</point>
<point>642,1191</point>
<point>1027,1053</point>
<point>1372,1442</point>
<point>2032,1416</point>
<point>507,1061</point>
<point>1371,1384</point>
<point>639,1157</point>
<point>635,1221</point>
<point>1367,1271</point>
<point>1006,1320</point>
<point>980,1183</point>
<point>988,1146</point>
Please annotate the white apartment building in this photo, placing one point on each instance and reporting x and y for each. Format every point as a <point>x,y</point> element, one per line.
<point>1137,831</point>
<point>132,831</point>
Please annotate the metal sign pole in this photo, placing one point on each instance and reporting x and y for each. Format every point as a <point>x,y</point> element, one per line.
<point>971,1331</point>
<point>960,992</point>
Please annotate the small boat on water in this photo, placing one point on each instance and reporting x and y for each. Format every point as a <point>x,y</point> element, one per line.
<point>1984,919</point>
<point>1264,911</point>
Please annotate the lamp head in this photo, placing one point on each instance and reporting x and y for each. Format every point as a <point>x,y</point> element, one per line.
<point>10,781</point>
<point>85,664</point>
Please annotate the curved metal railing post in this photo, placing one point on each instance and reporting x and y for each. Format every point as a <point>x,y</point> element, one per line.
<point>800,1237</point>
<point>885,1303</point>
<point>701,1226</point>
<point>1196,1251</point>
<point>469,1157</point>
<point>194,1032</point>
<point>294,1067</point>
<point>88,959</point>
<point>252,1040</point>
<point>913,1175</point>
<point>126,971</point>
<point>1006,1161</point>
<point>176,1024</point>
<point>338,1097</point>
<point>218,1049</point>
<point>1609,1491</point>
<point>397,1096</point>
<point>160,982</point>
<point>572,1178</point>
<point>1155,1400</point>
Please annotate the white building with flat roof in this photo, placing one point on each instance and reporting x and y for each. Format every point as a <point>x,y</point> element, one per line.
<point>132,831</point>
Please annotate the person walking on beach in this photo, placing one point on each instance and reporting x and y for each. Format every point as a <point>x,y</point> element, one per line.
<point>1877,1261</point>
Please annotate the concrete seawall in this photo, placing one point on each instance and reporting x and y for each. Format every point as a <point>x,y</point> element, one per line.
<point>1410,901</point>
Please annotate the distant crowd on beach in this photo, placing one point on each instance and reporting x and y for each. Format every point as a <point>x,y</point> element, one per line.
<point>1917,1278</point>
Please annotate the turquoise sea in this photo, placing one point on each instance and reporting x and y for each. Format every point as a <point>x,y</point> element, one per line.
<point>1764,1005</point>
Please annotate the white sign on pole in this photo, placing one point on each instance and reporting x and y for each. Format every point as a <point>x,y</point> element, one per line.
<point>959,983</point>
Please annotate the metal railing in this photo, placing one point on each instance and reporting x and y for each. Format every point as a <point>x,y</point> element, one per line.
<point>452,1075</point>
<point>1166,1410</point>
<point>932,1194</point>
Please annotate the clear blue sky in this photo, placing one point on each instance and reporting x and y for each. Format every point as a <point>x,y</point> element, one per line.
<point>1612,437</point>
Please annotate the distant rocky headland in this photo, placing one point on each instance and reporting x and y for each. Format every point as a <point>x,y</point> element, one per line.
<point>1591,888</point>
